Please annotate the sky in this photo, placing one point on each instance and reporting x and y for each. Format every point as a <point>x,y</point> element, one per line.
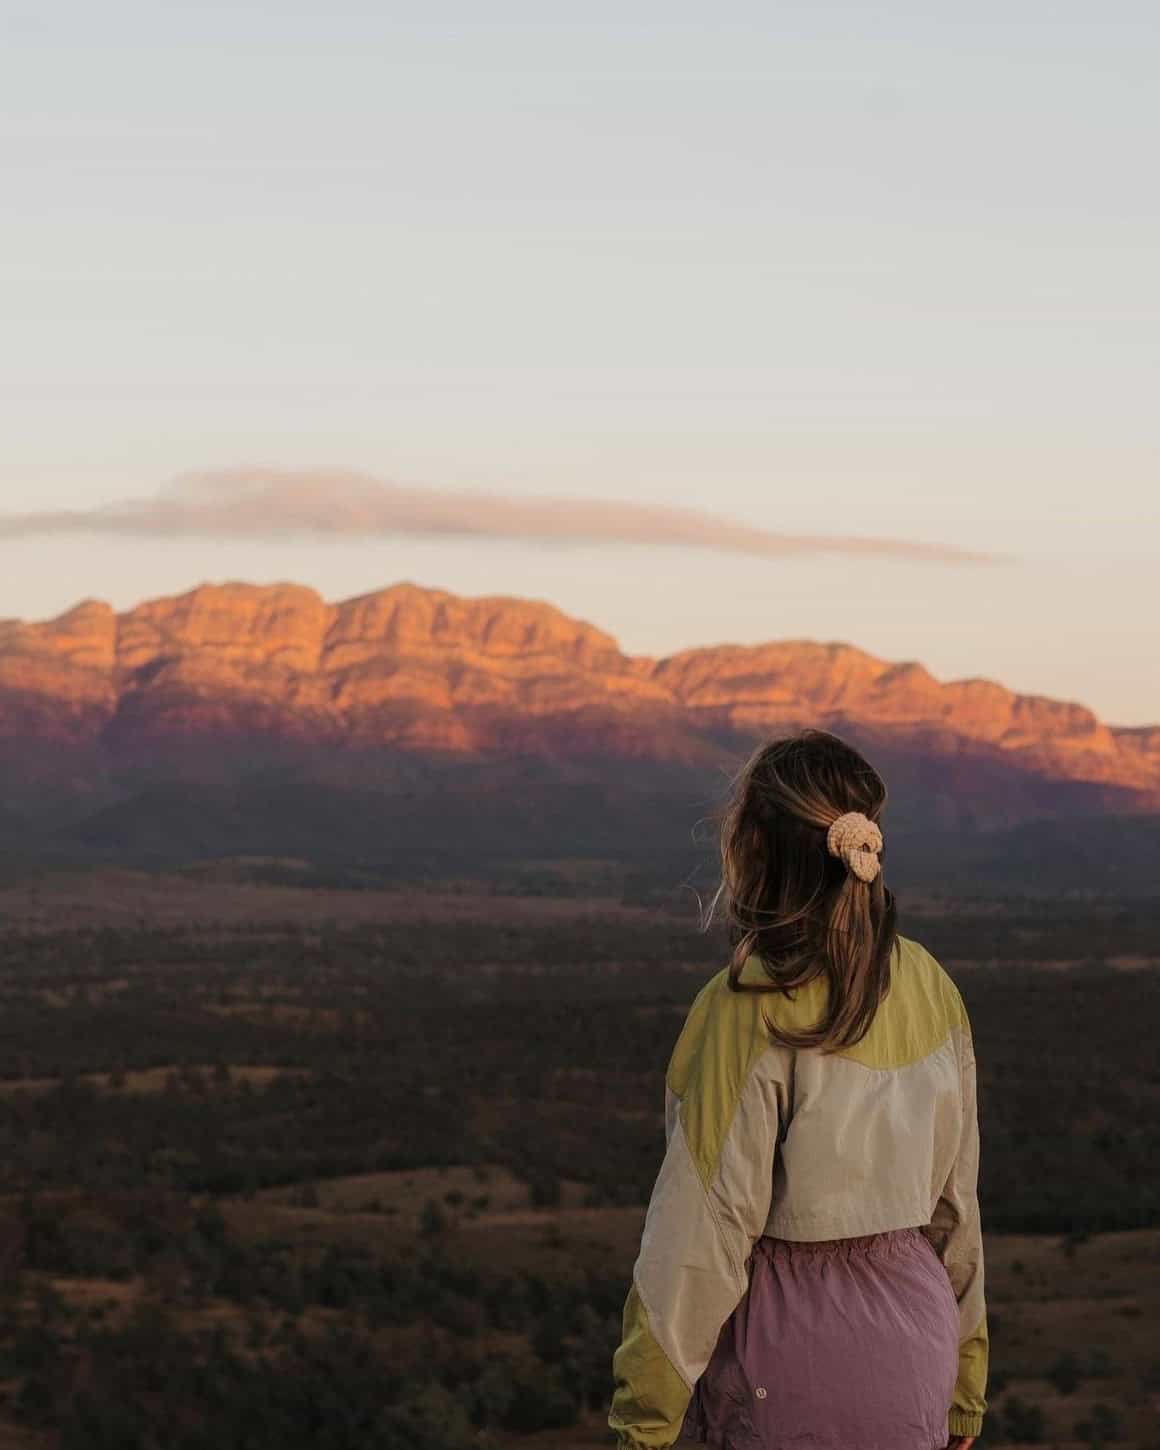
<point>662,313</point>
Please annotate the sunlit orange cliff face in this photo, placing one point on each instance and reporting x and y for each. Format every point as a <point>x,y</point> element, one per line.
<point>426,671</point>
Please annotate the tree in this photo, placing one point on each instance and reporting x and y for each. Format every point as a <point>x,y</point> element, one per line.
<point>430,1418</point>
<point>590,1355</point>
<point>432,1220</point>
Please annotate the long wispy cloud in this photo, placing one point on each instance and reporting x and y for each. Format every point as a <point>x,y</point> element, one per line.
<point>271,503</point>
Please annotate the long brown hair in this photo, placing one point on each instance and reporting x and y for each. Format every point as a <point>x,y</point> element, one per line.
<point>789,901</point>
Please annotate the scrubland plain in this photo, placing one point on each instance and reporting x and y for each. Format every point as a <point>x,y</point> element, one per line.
<point>331,1167</point>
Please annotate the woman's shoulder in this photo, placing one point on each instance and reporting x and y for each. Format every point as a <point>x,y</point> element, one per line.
<point>922,1009</point>
<point>920,972</point>
<point>723,1025</point>
<point>730,1021</point>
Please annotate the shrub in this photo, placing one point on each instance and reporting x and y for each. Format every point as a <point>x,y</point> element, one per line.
<point>1024,1423</point>
<point>1099,1363</point>
<point>545,1190</point>
<point>1101,1427</point>
<point>1064,1374</point>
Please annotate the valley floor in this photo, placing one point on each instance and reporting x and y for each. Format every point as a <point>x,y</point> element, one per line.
<point>286,1167</point>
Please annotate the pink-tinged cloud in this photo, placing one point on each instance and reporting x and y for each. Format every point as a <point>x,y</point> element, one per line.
<point>272,503</point>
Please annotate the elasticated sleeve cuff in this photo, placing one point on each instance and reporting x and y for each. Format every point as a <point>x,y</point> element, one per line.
<point>962,1422</point>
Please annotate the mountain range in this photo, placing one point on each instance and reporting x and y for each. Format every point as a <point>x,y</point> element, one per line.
<point>239,717</point>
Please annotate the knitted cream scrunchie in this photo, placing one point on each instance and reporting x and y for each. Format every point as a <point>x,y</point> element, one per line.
<point>857,840</point>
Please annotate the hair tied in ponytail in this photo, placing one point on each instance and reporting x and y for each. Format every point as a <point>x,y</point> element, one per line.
<point>804,910</point>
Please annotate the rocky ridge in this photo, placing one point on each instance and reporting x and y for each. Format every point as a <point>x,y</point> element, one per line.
<point>424,670</point>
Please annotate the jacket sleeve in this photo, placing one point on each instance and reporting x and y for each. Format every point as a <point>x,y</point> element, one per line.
<point>708,1206</point>
<point>956,1232</point>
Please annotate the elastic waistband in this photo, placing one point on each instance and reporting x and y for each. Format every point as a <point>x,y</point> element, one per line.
<point>878,1245</point>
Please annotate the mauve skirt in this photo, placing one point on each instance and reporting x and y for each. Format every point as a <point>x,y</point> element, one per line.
<point>839,1344</point>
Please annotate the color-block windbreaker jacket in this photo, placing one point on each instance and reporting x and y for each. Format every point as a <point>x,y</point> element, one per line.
<point>764,1139</point>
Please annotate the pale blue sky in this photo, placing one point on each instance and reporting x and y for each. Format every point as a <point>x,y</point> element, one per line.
<point>861,269</point>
